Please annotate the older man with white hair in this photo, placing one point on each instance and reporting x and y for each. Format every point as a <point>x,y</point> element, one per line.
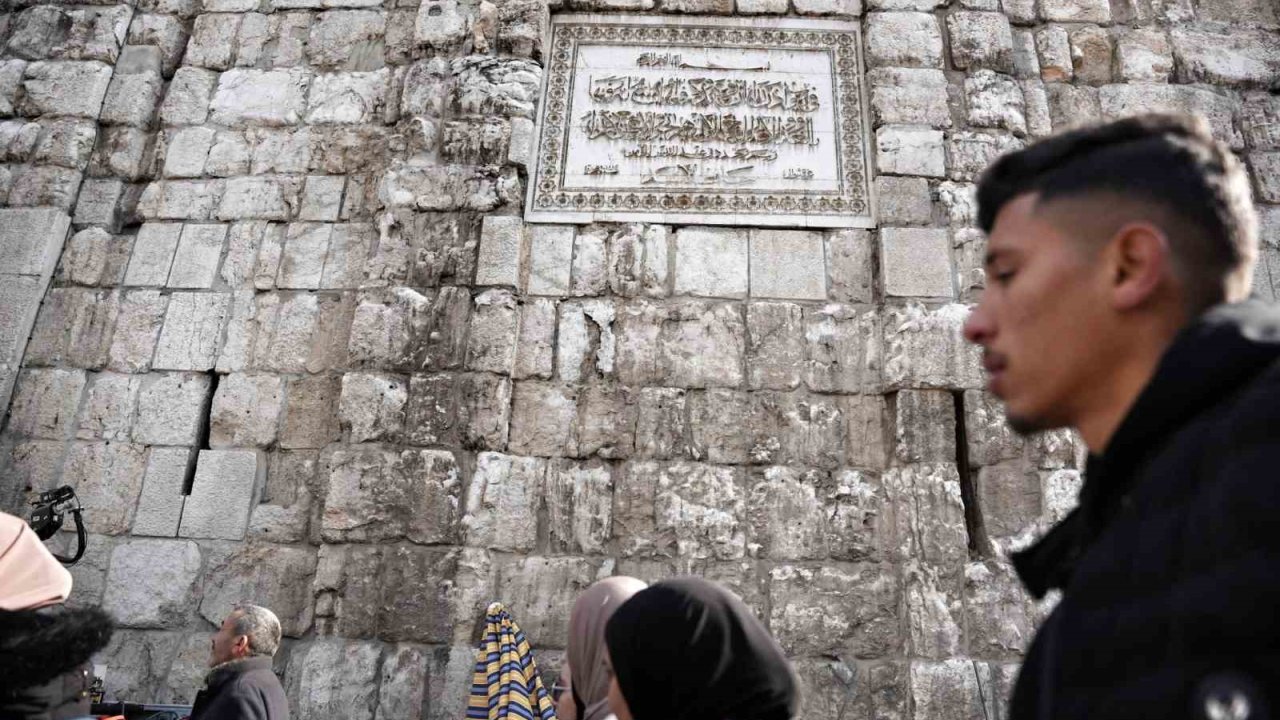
<point>240,684</point>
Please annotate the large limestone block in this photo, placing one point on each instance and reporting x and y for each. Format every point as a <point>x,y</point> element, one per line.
<point>775,345</point>
<point>661,423</point>
<point>371,406</point>
<point>136,661</point>
<point>502,502</point>
<point>926,426</point>
<point>927,515</point>
<point>788,264</point>
<point>836,609</point>
<point>273,576</point>
<point>334,677</point>
<point>946,689</point>
<point>64,88</point>
<point>638,260</point>
<point>108,407</point>
<point>541,591</point>
<point>933,612</point>
<point>1095,11</point>
<point>74,328</point>
<point>1248,58</point>
<point>160,504</point>
<point>170,408</point>
<point>579,502</point>
<point>501,240</point>
<point>223,493</point>
<point>711,262</point>
<point>193,327</point>
<point>704,508</point>
<point>916,263</point>
<point>1219,109</point>
<point>348,98</point>
<point>910,151</point>
<point>995,101</point>
<point>980,40</point>
<point>347,39</point>
<point>543,417</point>
<point>376,494</point>
<point>903,39</point>
<point>842,349</point>
<point>926,349</point>
<point>260,97</point>
<point>1000,617</point>
<point>786,514</point>
<point>550,259</point>
<point>246,410</point>
<point>909,96</point>
<point>447,409</point>
<point>987,431</point>
<point>45,403</point>
<point>30,240</point>
<point>1009,496</point>
<point>491,344</point>
<point>108,478</point>
<point>153,583</point>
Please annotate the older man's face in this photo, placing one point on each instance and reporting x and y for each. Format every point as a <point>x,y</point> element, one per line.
<point>227,645</point>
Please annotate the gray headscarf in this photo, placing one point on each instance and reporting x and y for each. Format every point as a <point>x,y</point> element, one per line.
<point>586,656</point>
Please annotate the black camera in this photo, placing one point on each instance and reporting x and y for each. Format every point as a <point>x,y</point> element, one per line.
<point>50,509</point>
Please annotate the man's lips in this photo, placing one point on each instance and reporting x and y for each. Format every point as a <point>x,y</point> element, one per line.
<point>992,363</point>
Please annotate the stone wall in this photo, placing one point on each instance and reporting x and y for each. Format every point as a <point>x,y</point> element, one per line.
<point>292,343</point>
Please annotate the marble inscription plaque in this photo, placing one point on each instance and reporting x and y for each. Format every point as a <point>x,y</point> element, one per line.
<point>698,120</point>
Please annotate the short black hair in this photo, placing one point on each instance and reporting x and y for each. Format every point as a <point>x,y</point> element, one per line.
<point>1167,162</point>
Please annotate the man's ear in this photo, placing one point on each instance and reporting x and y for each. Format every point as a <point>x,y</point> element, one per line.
<point>241,644</point>
<point>1140,263</point>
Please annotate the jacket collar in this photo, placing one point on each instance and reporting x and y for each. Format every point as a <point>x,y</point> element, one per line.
<point>221,673</point>
<point>1208,361</point>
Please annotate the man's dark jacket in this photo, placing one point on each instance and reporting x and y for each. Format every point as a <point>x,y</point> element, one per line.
<point>243,689</point>
<point>1170,566</point>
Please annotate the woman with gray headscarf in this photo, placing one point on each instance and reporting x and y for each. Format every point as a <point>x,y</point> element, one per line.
<point>587,672</point>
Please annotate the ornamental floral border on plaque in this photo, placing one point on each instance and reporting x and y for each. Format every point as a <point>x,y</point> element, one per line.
<point>550,201</point>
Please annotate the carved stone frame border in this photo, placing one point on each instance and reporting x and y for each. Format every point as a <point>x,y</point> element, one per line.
<point>853,206</point>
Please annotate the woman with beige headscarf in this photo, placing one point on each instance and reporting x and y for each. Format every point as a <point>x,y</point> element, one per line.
<point>587,673</point>
<point>44,646</point>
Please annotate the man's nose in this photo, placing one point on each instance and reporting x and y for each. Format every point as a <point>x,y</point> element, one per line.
<point>978,327</point>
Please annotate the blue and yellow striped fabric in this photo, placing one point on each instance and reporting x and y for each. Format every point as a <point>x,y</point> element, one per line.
<point>506,682</point>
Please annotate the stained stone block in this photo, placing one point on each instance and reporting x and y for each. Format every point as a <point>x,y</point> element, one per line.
<point>1010,498</point>
<point>160,504</point>
<point>347,263</point>
<point>500,251</point>
<point>502,502</point>
<point>74,328</point>
<point>376,494</point>
<point>180,199</point>
<point>1121,100</point>
<point>273,576</point>
<point>164,32</point>
<point>995,101</point>
<point>222,495</point>
<point>520,148</point>
<point>703,507</point>
<point>535,343</point>
<point>660,423</point>
<point>605,423</point>
<point>66,143</point>
<point>542,418</point>
<point>135,88</point>
<point>925,348</point>
<point>973,152</point>
<point>122,152</point>
<point>1072,106</point>
<point>329,676</point>
<point>916,263</point>
<point>786,515</point>
<point>909,151</point>
<point>192,329</point>
<point>153,583</point>
<point>946,689</point>
<point>775,346</point>
<point>1246,58</point>
<point>45,403</point>
<point>30,239</point>
<point>73,89</point>
<point>195,262</point>
<point>137,329</point>
<point>850,265</point>
<point>310,415</point>
<point>260,97</point>
<point>579,502</point>
<point>902,201</point>
<point>1094,11</point>
<point>262,198</point>
<point>107,477</point>
<point>1266,175</point>
<point>586,343</point>
<point>302,258</point>
<point>933,613</point>
<point>246,410</point>
<point>1054,46</point>
<point>101,202</point>
<point>835,609</point>
<point>909,96</point>
<point>170,407</point>
<point>45,186</point>
<point>589,271</point>
<point>990,438</point>
<point>927,515</point>
<point>1260,121</point>
<point>348,98</point>
<point>702,345</point>
<point>1060,492</point>
<point>491,343</point>
<point>187,150</point>
<point>550,258</point>
<point>926,426</point>
<point>711,262</point>
<point>542,590</point>
<point>1036,99</point>
<point>285,511</point>
<point>842,349</point>
<point>212,40</point>
<point>1026,63</point>
<point>372,407</point>
<point>903,39</point>
<point>787,264</point>
<point>187,99</point>
<point>999,615</point>
<point>1091,54</point>
<point>980,40</point>
<point>108,407</point>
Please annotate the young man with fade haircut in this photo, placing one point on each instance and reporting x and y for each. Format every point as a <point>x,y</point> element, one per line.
<point>1119,260</point>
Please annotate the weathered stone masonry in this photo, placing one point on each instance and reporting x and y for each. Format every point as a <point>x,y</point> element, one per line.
<point>269,304</point>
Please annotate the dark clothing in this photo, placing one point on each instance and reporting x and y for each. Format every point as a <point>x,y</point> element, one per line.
<point>1170,566</point>
<point>44,661</point>
<point>243,689</point>
<point>687,649</point>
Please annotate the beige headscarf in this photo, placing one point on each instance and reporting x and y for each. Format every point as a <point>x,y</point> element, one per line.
<point>30,577</point>
<point>586,654</point>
